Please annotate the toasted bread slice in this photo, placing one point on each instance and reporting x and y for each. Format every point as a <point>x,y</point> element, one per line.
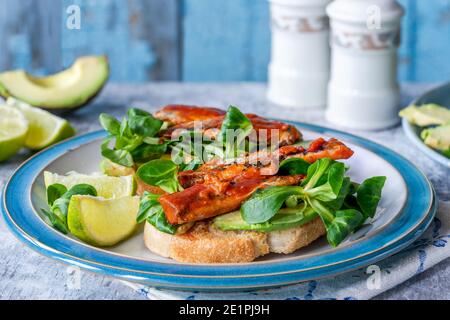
<point>290,240</point>
<point>204,243</point>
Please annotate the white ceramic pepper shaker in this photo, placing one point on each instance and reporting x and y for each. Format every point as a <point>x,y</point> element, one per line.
<point>299,67</point>
<point>363,92</point>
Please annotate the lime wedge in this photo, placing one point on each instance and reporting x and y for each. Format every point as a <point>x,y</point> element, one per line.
<point>113,169</point>
<point>13,132</point>
<point>45,128</point>
<point>102,222</point>
<point>106,186</point>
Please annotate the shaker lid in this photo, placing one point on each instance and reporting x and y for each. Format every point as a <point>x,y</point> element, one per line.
<point>359,10</point>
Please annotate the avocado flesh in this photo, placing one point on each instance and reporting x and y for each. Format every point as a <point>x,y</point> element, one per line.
<point>426,115</point>
<point>284,219</point>
<point>437,138</point>
<point>113,169</point>
<point>69,89</point>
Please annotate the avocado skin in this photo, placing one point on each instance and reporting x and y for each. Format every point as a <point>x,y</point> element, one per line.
<point>56,111</point>
<point>64,109</point>
<point>4,92</point>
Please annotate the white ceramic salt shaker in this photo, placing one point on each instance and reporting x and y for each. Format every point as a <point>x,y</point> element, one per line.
<point>299,67</point>
<point>363,92</point>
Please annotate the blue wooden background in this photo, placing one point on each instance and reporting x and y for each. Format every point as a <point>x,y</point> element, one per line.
<point>188,40</point>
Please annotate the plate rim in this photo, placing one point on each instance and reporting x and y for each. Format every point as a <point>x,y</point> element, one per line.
<point>317,129</point>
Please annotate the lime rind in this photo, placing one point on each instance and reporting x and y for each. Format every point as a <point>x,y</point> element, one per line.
<point>45,128</point>
<point>106,186</point>
<point>102,222</point>
<point>13,132</point>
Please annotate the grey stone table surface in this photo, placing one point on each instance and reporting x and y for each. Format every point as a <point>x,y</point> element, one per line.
<point>25,274</point>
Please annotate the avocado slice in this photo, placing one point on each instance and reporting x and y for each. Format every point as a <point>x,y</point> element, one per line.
<point>113,169</point>
<point>68,89</point>
<point>438,138</point>
<point>286,218</point>
<point>426,115</point>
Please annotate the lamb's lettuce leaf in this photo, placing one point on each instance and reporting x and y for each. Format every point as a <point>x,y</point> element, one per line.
<point>58,198</point>
<point>161,173</point>
<point>132,138</point>
<point>150,210</point>
<point>342,205</point>
<point>293,166</point>
<point>368,195</point>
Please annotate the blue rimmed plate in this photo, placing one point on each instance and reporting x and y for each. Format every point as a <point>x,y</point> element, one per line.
<point>441,96</point>
<point>406,209</point>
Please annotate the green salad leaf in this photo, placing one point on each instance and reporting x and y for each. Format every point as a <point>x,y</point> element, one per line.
<point>265,203</point>
<point>160,173</point>
<point>159,221</point>
<point>236,127</point>
<point>346,191</point>
<point>329,190</point>
<point>293,166</point>
<point>119,156</point>
<point>135,138</point>
<point>55,221</point>
<point>342,205</point>
<point>146,152</point>
<point>368,195</point>
<point>110,124</point>
<point>150,210</point>
<point>192,165</point>
<point>163,174</point>
<point>194,148</point>
<point>58,198</point>
<point>142,123</point>
<point>148,206</point>
<point>339,224</point>
<point>54,192</point>
<point>344,223</point>
<point>316,173</point>
<point>235,121</point>
<point>446,153</point>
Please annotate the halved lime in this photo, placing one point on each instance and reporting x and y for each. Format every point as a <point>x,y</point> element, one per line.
<point>45,128</point>
<point>102,222</point>
<point>13,132</point>
<point>106,186</point>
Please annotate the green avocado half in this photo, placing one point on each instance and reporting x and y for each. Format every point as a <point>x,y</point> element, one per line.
<point>68,89</point>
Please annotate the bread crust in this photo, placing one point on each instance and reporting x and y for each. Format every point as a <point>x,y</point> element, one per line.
<point>204,243</point>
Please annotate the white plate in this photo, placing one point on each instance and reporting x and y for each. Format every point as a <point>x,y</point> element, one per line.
<point>400,219</point>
